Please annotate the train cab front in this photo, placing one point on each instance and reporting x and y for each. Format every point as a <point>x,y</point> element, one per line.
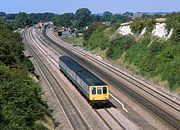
<point>99,94</point>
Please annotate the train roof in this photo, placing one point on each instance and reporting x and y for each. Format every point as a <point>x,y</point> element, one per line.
<point>89,78</point>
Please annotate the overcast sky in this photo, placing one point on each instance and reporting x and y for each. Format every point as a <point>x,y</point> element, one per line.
<point>96,6</point>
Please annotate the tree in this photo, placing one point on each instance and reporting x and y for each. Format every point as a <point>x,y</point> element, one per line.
<point>11,16</point>
<point>95,18</point>
<point>83,17</point>
<point>36,17</point>
<point>64,20</point>
<point>128,14</point>
<point>22,20</point>
<point>107,16</point>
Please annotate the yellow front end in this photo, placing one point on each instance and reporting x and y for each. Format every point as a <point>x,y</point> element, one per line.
<point>98,93</point>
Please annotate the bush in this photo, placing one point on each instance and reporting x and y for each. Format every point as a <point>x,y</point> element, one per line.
<point>87,33</point>
<point>137,25</point>
<point>155,48</point>
<point>138,51</point>
<point>98,39</point>
<point>11,49</point>
<point>173,21</point>
<point>20,97</point>
<point>168,64</point>
<point>149,25</point>
<point>155,58</point>
<point>21,102</point>
<point>118,46</point>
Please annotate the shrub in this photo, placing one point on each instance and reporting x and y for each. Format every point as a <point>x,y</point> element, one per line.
<point>87,33</point>
<point>20,96</point>
<point>98,39</point>
<point>173,21</point>
<point>149,25</point>
<point>138,51</point>
<point>137,25</point>
<point>155,48</point>
<point>118,46</point>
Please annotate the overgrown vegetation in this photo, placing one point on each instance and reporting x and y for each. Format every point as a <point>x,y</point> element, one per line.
<point>96,37</point>
<point>83,17</point>
<point>74,40</point>
<point>118,46</point>
<point>152,57</point>
<point>22,19</point>
<point>157,59</point>
<point>173,21</point>
<point>21,105</point>
<point>138,24</point>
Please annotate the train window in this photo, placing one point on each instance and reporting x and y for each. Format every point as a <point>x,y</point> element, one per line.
<point>93,90</point>
<point>99,90</point>
<point>104,90</point>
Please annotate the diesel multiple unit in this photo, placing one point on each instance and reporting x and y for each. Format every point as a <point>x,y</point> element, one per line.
<point>93,88</point>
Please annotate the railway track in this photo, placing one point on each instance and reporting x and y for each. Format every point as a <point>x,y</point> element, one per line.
<point>148,89</point>
<point>76,119</point>
<point>109,123</point>
<point>109,117</point>
<point>155,108</point>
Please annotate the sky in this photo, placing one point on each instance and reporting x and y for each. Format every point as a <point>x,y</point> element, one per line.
<point>95,6</point>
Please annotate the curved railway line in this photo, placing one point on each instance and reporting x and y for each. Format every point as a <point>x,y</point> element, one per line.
<point>103,118</point>
<point>151,105</point>
<point>150,90</point>
<point>113,118</point>
<point>76,119</point>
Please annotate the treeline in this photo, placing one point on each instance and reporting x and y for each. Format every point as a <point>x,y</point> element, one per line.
<point>21,105</point>
<point>80,19</point>
<point>22,19</point>
<point>83,17</point>
<point>149,56</point>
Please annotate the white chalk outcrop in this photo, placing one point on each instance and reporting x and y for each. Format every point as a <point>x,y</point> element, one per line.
<point>143,32</point>
<point>158,31</point>
<point>170,33</point>
<point>125,29</point>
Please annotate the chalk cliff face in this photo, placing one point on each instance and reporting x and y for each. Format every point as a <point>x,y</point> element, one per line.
<point>158,31</point>
<point>124,30</point>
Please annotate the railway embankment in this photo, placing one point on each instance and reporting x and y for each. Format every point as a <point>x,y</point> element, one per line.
<point>145,47</point>
<point>21,102</point>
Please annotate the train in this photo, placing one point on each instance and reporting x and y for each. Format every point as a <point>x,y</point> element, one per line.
<point>93,88</point>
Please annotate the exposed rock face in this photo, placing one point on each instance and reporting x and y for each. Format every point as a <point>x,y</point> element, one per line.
<point>124,30</point>
<point>170,33</point>
<point>158,31</point>
<point>143,31</point>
